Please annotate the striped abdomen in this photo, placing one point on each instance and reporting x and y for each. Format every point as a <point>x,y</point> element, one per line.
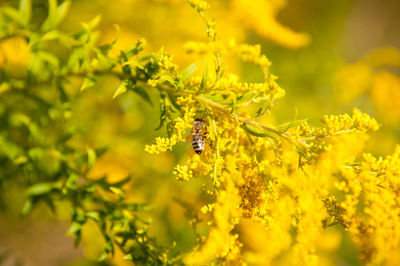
<point>197,143</point>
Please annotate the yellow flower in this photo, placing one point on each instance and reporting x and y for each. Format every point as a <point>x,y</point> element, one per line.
<point>161,145</point>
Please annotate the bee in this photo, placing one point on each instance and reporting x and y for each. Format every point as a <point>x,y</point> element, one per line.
<point>199,133</point>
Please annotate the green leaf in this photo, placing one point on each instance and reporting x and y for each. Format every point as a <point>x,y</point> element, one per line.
<point>55,14</point>
<point>74,227</point>
<point>133,50</point>
<point>118,30</point>
<point>245,97</point>
<point>171,101</point>
<point>122,182</point>
<point>234,102</point>
<point>214,97</point>
<point>187,72</point>
<point>40,189</point>
<point>13,14</point>
<point>204,78</point>
<point>103,256</point>
<point>62,10</point>
<point>72,181</point>
<point>51,35</point>
<point>89,81</point>
<point>121,89</point>
<point>128,257</point>
<point>4,86</point>
<point>61,91</point>
<point>163,111</point>
<point>9,148</point>
<point>25,11</point>
<point>89,26</point>
<point>94,215</point>
<point>169,79</point>
<point>49,58</point>
<point>50,22</point>
<point>27,208</point>
<point>100,151</point>
<point>20,160</point>
<point>91,158</point>
<point>109,248</point>
<point>264,108</point>
<point>75,230</point>
<point>143,93</point>
<point>286,126</point>
<point>107,47</point>
<point>259,132</point>
<point>136,207</point>
<point>118,191</point>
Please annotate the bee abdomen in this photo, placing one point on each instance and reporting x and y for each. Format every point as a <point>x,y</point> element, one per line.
<point>198,145</point>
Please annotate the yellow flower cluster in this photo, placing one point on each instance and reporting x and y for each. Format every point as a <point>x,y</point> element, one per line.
<point>359,121</point>
<point>229,85</point>
<point>288,188</point>
<point>221,244</point>
<point>246,52</point>
<point>179,125</point>
<point>183,173</point>
<point>165,62</point>
<point>161,145</point>
<point>372,207</point>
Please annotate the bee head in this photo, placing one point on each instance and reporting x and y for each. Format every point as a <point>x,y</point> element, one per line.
<point>200,120</point>
<point>198,152</point>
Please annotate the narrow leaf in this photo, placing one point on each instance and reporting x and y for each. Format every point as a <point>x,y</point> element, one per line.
<point>107,47</point>
<point>13,14</point>
<point>234,102</point>
<point>89,26</point>
<point>143,93</point>
<point>91,158</point>
<point>214,97</point>
<point>133,50</point>
<point>51,21</point>
<point>39,189</point>
<point>74,227</point>
<point>25,11</point>
<point>259,132</point>
<point>163,111</point>
<point>103,256</point>
<point>128,257</point>
<point>263,109</point>
<point>51,35</point>
<point>286,126</point>
<point>27,208</point>
<point>121,89</point>
<point>94,215</point>
<point>171,102</point>
<point>136,207</point>
<point>72,181</point>
<point>117,191</point>
<point>204,78</point>
<point>122,182</point>
<point>62,10</point>
<point>187,72</point>
<point>88,82</point>
<point>100,151</point>
<point>245,97</point>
